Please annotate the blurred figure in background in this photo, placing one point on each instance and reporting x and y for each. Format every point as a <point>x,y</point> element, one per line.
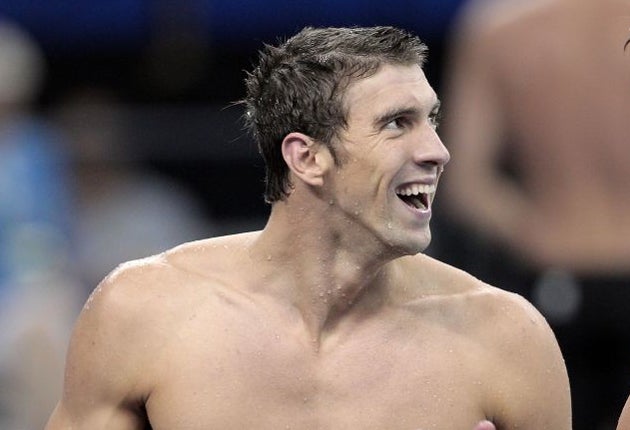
<point>538,125</point>
<point>39,296</point>
<point>74,202</point>
<point>124,209</point>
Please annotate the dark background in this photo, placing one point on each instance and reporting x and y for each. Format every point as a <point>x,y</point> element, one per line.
<point>178,66</point>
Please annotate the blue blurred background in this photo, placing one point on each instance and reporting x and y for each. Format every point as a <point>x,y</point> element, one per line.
<point>177,66</point>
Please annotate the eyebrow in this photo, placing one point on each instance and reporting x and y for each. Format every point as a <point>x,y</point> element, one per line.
<point>397,112</point>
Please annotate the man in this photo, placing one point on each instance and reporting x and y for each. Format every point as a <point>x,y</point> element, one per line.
<point>327,318</point>
<point>539,137</point>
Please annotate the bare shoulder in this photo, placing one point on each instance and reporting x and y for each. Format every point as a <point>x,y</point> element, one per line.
<point>106,381</point>
<point>493,14</point>
<point>124,332</point>
<point>527,383</point>
<point>488,309</point>
<point>131,310</point>
<point>148,293</point>
<point>490,28</point>
<point>209,257</point>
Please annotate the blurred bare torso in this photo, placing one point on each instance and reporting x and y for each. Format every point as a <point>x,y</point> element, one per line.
<point>567,103</point>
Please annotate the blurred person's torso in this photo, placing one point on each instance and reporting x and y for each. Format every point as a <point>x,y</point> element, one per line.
<point>568,107</point>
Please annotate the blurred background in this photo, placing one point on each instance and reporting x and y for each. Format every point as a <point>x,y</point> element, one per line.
<point>119,138</point>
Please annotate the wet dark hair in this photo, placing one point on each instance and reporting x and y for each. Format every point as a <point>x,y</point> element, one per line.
<point>298,86</point>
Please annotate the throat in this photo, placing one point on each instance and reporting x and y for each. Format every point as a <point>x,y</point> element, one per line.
<point>341,301</point>
<point>339,314</point>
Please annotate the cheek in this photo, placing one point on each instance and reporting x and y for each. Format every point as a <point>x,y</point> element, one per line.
<point>366,183</point>
<point>365,178</point>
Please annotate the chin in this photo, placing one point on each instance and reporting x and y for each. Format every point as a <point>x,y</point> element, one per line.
<point>411,244</point>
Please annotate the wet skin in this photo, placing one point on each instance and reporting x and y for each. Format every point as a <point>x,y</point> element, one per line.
<point>327,318</point>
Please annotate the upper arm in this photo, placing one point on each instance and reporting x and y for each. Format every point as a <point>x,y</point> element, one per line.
<point>475,131</point>
<point>624,419</point>
<point>532,385</point>
<point>474,121</point>
<point>103,388</point>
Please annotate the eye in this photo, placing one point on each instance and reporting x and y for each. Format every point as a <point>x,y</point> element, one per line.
<point>434,118</point>
<point>398,123</point>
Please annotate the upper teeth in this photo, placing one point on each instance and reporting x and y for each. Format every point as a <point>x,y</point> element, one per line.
<point>415,189</point>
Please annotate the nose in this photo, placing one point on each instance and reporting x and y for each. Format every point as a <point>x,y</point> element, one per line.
<point>429,149</point>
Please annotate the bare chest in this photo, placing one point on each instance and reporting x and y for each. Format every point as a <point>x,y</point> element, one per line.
<point>372,380</point>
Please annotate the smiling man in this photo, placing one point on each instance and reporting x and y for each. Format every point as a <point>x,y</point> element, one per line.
<point>330,317</point>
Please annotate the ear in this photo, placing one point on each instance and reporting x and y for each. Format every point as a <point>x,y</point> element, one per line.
<point>307,159</point>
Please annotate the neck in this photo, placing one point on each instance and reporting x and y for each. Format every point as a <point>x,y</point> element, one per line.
<point>326,273</point>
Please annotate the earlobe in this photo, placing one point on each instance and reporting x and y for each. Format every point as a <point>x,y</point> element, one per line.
<point>306,158</point>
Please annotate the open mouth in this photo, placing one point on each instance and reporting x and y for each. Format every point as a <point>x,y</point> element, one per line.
<point>416,196</point>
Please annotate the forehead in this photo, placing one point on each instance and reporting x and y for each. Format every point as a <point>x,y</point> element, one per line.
<point>391,87</point>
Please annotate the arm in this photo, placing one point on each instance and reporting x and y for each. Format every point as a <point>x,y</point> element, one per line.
<point>476,190</point>
<point>624,419</point>
<point>102,386</point>
<point>531,390</point>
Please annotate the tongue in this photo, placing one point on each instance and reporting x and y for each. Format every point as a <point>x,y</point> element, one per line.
<point>414,201</point>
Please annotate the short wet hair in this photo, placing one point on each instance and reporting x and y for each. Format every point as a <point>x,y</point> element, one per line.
<point>299,86</point>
